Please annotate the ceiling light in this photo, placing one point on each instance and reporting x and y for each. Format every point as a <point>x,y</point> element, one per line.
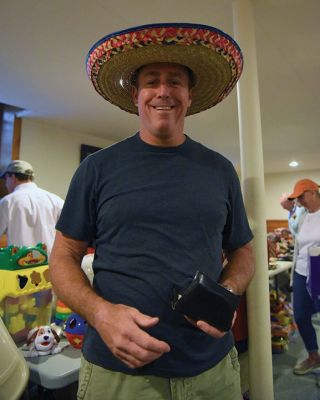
<point>293,164</point>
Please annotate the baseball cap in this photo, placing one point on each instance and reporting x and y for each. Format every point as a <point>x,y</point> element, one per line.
<point>302,186</point>
<point>18,167</point>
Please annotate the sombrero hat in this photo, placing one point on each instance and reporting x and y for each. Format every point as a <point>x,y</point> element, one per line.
<point>213,56</point>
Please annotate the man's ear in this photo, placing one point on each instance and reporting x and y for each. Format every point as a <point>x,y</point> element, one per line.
<point>190,96</point>
<point>15,181</point>
<point>134,95</point>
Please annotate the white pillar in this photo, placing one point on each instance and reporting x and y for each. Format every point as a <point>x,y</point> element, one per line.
<point>252,178</point>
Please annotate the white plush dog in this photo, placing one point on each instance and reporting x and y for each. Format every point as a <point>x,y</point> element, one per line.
<point>43,340</point>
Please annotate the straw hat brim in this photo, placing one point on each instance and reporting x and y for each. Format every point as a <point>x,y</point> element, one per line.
<point>213,56</point>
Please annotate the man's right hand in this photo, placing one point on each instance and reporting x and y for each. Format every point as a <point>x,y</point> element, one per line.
<point>122,328</point>
<point>286,203</point>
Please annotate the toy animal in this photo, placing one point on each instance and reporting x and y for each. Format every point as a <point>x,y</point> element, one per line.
<point>42,341</point>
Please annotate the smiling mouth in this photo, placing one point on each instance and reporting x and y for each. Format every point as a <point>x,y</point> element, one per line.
<point>163,108</point>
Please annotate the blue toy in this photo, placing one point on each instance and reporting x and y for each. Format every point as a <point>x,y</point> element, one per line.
<point>75,330</point>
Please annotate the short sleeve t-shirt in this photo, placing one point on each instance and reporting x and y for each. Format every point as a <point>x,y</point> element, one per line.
<point>156,215</point>
<point>308,236</point>
<point>29,214</point>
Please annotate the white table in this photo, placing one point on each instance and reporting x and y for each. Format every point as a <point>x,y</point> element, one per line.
<point>55,371</point>
<point>281,266</point>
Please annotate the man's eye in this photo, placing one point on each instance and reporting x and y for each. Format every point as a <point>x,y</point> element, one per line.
<point>175,82</point>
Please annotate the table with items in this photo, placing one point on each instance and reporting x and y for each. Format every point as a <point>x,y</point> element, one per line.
<point>32,318</point>
<point>281,313</point>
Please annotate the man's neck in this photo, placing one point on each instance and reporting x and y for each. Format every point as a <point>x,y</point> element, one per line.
<point>162,140</point>
<point>19,183</point>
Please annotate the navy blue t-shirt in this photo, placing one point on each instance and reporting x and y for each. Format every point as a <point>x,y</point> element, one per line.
<point>156,215</point>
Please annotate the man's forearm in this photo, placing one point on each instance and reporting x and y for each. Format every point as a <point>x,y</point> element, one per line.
<point>239,269</point>
<point>70,283</point>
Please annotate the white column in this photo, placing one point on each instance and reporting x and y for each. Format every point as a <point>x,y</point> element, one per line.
<point>252,179</point>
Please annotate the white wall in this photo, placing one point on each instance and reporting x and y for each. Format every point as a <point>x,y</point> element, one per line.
<point>276,184</point>
<point>54,153</point>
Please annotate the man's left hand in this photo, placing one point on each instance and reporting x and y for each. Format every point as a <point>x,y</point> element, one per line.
<point>210,329</point>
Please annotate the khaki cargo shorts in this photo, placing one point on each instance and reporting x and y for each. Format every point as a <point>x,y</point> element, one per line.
<point>222,382</point>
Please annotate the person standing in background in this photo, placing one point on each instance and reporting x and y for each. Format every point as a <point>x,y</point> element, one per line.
<point>28,214</point>
<point>306,193</point>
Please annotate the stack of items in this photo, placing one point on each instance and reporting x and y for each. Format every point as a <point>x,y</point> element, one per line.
<point>62,313</point>
<point>282,324</point>
<point>280,246</point>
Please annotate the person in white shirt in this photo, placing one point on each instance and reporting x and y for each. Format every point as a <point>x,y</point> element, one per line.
<point>307,194</point>
<point>28,214</point>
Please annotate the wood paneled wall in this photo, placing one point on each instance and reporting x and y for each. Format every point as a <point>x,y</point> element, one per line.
<point>273,224</point>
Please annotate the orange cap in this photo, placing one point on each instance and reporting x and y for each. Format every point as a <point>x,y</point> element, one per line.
<point>301,186</point>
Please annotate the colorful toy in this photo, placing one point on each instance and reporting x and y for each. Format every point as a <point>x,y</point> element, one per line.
<point>75,330</point>
<point>62,312</point>
<point>15,258</point>
<point>282,324</point>
<point>25,293</point>
<point>42,341</point>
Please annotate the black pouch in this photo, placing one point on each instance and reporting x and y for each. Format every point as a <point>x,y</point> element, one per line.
<point>206,300</point>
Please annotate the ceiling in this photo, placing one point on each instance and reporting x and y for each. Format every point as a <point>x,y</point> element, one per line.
<point>42,70</point>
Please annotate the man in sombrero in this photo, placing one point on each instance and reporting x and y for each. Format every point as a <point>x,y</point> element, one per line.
<point>158,207</point>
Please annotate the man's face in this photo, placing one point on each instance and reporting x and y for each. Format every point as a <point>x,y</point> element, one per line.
<point>163,97</point>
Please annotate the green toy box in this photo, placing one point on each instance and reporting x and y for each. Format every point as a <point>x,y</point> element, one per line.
<point>25,289</point>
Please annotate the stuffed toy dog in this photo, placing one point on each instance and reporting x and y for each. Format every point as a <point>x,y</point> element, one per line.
<point>43,340</point>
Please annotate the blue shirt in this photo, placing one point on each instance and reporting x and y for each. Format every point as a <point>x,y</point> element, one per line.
<point>156,216</point>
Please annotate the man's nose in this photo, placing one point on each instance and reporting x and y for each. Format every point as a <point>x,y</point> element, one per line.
<point>163,90</point>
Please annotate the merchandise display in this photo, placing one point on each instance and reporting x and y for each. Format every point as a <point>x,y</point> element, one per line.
<point>280,246</point>
<point>282,324</point>
<point>25,290</point>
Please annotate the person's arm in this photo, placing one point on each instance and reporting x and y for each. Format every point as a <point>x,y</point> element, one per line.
<point>121,327</point>
<point>239,269</point>
<point>3,218</point>
<point>236,275</point>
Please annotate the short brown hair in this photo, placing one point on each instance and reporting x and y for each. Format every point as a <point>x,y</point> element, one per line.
<point>191,76</point>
